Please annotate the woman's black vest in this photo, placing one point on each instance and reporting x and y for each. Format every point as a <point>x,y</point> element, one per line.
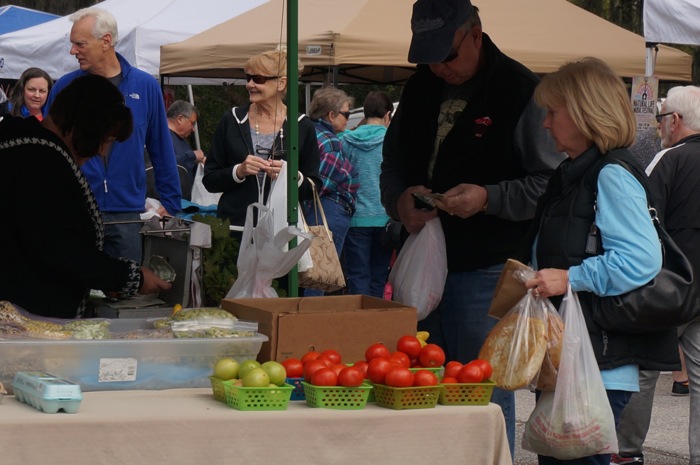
<point>565,213</point>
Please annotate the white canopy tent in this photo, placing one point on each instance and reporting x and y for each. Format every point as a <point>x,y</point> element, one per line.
<point>672,22</point>
<point>144,25</point>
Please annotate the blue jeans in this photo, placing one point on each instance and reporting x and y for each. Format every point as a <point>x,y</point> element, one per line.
<point>123,240</point>
<point>460,324</point>
<point>366,261</point>
<point>618,400</point>
<point>338,218</point>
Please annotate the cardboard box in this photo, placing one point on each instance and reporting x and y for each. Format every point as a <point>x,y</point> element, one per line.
<point>348,324</point>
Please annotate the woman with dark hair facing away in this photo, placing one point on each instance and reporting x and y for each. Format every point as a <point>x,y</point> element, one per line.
<point>29,94</point>
<point>53,263</point>
<point>366,258</point>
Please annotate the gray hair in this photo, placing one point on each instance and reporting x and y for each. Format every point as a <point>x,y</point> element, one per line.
<point>685,100</point>
<point>181,107</point>
<point>328,99</point>
<point>105,22</point>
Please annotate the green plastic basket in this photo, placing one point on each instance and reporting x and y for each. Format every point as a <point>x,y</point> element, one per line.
<point>466,393</point>
<point>407,398</point>
<point>337,397</point>
<point>437,370</point>
<point>257,398</point>
<point>217,385</point>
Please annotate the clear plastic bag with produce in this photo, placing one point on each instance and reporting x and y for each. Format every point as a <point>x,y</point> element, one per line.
<point>515,347</point>
<point>576,419</point>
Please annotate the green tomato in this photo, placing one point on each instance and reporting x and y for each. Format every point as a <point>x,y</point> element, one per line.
<point>246,366</point>
<point>276,372</point>
<point>256,377</point>
<point>226,368</point>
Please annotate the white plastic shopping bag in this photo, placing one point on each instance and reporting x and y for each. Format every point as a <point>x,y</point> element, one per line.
<point>200,194</point>
<point>419,274</point>
<point>575,420</point>
<point>264,255</point>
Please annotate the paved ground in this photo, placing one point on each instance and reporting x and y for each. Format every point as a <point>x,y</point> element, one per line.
<point>666,443</point>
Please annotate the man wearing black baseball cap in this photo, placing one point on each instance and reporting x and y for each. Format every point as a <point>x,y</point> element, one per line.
<point>466,127</point>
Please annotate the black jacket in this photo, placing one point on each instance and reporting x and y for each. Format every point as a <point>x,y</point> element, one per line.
<point>565,214</point>
<point>497,141</point>
<point>51,242</point>
<point>675,184</point>
<point>232,143</point>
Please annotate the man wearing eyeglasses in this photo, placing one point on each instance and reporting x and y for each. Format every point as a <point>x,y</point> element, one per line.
<point>118,180</point>
<point>182,117</point>
<point>466,127</point>
<point>674,179</point>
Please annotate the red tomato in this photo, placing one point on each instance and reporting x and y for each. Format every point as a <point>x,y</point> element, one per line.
<point>377,350</point>
<point>294,367</point>
<point>470,373</point>
<point>449,380</point>
<point>452,368</point>
<point>399,377</point>
<point>362,365</point>
<point>351,377</point>
<point>337,368</point>
<point>377,369</point>
<point>332,355</point>
<point>431,356</point>
<point>329,363</point>
<point>400,358</point>
<point>310,355</point>
<point>485,366</point>
<point>324,377</point>
<point>409,345</point>
<point>424,378</point>
<point>311,367</point>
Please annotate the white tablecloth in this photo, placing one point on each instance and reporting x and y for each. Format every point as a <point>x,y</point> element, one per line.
<point>188,427</point>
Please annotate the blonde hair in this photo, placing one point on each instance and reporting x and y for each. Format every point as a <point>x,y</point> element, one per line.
<point>597,100</point>
<point>271,63</point>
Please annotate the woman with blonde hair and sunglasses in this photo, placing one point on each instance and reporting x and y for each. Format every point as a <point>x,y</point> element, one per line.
<point>247,147</point>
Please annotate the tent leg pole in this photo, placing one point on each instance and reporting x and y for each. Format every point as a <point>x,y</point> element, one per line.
<point>196,128</point>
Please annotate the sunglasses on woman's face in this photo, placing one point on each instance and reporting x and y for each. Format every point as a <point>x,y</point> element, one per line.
<point>346,114</point>
<point>258,79</point>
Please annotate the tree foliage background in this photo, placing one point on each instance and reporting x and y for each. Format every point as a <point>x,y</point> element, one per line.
<point>213,101</point>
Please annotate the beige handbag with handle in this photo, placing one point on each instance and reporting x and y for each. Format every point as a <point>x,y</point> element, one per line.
<point>325,274</point>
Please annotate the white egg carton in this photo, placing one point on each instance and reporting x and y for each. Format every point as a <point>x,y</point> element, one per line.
<point>46,392</point>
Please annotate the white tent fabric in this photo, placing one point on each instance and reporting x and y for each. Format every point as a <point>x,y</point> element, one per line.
<point>672,22</point>
<point>144,25</point>
<point>13,18</point>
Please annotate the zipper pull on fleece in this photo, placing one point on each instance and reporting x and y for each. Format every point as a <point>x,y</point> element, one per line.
<point>105,183</point>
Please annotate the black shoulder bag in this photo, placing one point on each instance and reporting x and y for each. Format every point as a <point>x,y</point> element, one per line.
<point>669,300</point>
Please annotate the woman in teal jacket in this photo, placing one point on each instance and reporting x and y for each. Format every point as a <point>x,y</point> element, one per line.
<point>366,258</point>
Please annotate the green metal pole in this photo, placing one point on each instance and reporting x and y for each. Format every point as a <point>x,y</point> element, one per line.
<point>292,140</point>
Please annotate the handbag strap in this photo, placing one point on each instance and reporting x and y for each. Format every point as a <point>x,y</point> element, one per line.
<point>318,208</point>
<point>594,242</point>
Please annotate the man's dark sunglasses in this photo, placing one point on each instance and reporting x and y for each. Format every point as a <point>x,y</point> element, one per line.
<point>455,53</point>
<point>258,79</point>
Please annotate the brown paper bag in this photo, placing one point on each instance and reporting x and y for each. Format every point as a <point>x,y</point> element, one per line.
<point>509,290</point>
